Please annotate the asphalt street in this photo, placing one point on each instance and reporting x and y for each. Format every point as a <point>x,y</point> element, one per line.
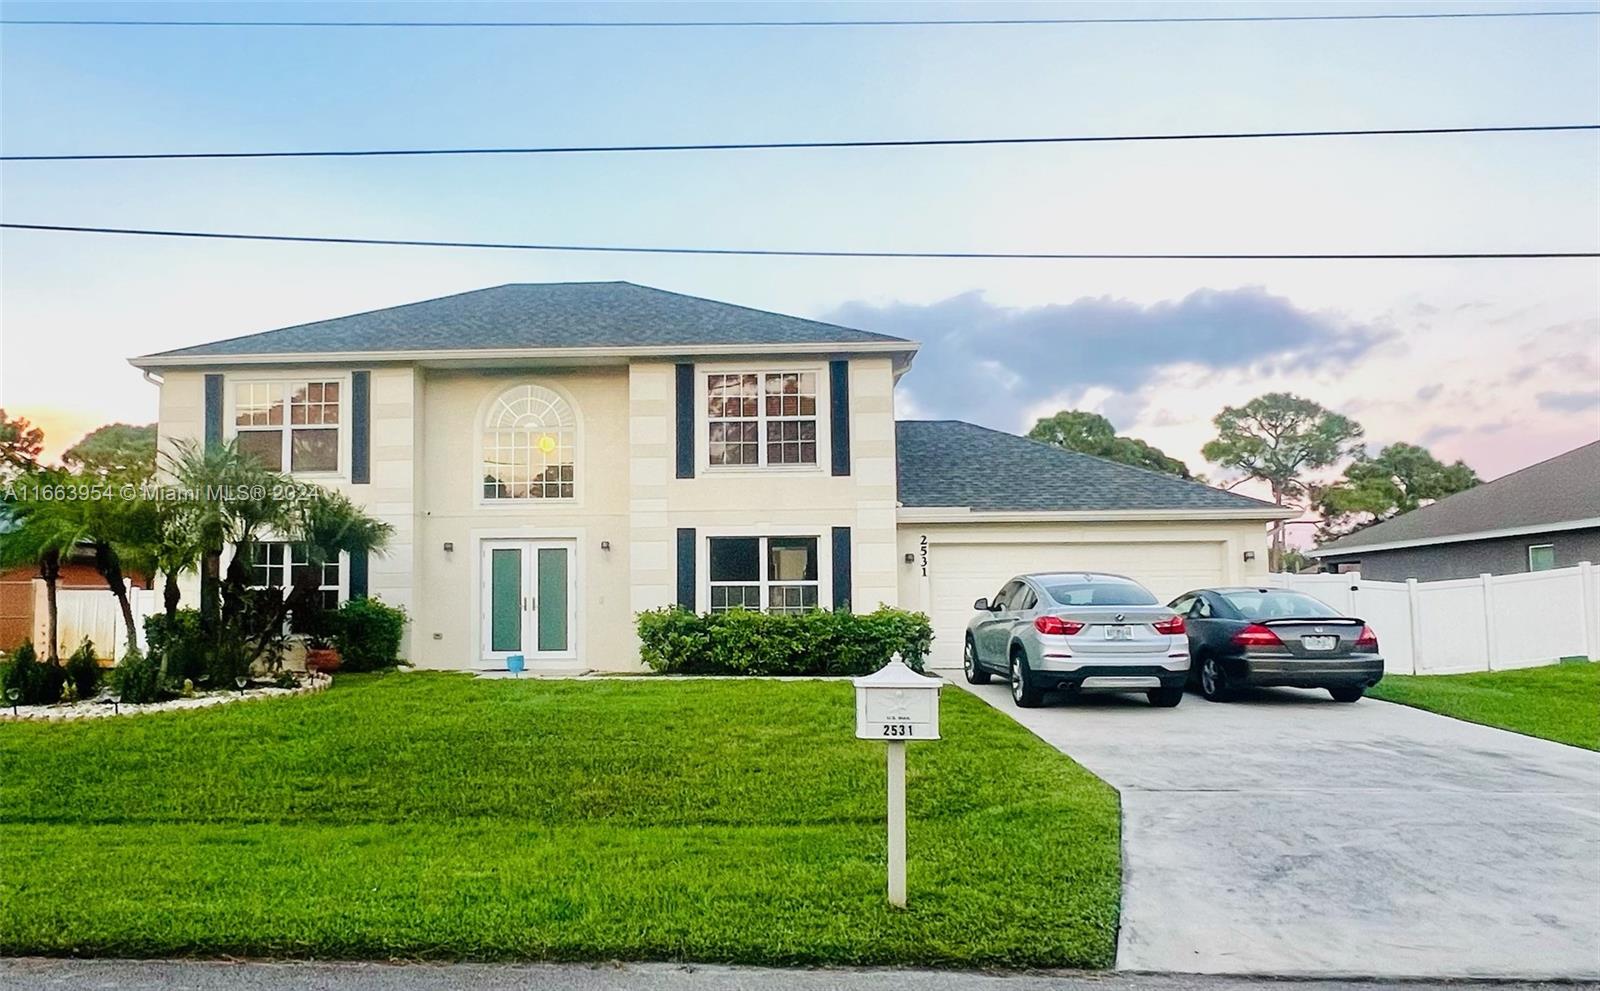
<point>138,975</point>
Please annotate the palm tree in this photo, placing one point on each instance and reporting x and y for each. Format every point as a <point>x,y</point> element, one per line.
<point>42,532</point>
<point>324,526</point>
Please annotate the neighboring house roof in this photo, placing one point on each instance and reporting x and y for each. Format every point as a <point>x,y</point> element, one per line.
<point>1559,494</point>
<point>564,316</point>
<point>955,464</point>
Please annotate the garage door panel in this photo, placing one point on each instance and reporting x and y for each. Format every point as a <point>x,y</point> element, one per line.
<point>961,573</point>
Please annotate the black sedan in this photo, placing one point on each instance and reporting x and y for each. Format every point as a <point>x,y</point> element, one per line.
<point>1275,637</point>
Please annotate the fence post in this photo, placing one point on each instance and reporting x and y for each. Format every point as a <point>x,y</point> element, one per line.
<point>1591,619</point>
<point>1487,581</point>
<point>1414,607</point>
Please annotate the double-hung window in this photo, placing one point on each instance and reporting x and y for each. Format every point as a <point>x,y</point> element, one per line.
<point>279,565</point>
<point>775,574</point>
<point>761,418</point>
<point>289,426</point>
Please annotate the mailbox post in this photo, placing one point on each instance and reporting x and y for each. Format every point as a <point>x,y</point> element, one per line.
<point>896,704</point>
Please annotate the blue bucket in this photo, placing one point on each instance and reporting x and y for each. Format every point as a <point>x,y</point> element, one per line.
<point>515,663</point>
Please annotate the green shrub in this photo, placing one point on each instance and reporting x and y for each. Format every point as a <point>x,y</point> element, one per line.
<point>368,633</point>
<point>179,642</point>
<point>37,682</point>
<point>676,641</point>
<point>137,677</point>
<point>83,671</point>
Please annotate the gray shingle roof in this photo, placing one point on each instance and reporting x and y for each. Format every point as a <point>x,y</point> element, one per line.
<point>536,316</point>
<point>1560,490</point>
<point>951,463</point>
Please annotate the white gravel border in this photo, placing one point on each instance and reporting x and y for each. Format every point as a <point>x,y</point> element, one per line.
<point>101,709</point>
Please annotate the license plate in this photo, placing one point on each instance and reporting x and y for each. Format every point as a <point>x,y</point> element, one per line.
<point>1119,633</point>
<point>1319,643</point>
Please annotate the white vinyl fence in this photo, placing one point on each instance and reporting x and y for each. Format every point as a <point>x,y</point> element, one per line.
<point>92,613</point>
<point>1488,623</point>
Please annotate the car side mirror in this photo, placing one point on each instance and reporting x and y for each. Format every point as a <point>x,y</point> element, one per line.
<point>982,605</point>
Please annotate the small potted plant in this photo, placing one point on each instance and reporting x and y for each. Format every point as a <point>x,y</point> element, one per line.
<point>322,656</point>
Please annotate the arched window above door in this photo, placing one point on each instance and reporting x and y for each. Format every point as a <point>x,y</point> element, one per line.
<point>529,446</point>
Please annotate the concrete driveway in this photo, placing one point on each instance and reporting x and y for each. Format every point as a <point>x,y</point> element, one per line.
<point>1288,834</point>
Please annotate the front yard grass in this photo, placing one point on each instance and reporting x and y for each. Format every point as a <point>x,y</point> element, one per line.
<point>439,816</point>
<point>1558,702</point>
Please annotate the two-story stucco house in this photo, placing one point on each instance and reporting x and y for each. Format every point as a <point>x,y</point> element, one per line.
<point>555,458</point>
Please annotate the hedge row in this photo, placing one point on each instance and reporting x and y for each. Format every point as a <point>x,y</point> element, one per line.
<point>676,641</point>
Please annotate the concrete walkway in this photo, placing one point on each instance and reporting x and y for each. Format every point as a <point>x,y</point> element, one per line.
<point>1288,834</point>
<point>192,975</point>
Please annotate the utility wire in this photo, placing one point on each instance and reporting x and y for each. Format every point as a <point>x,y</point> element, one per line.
<point>907,22</point>
<point>816,253</point>
<point>791,145</point>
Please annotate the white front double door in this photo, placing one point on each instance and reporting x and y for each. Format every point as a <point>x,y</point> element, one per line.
<point>529,600</point>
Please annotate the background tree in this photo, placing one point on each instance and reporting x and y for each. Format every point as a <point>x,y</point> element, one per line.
<point>115,450</point>
<point>41,532</point>
<point>20,445</point>
<point>1090,433</point>
<point>1400,478</point>
<point>1278,438</point>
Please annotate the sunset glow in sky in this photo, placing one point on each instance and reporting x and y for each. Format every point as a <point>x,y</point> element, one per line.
<point>1497,362</point>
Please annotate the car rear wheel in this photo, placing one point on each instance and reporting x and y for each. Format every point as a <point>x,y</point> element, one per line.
<point>1165,697</point>
<point>1023,691</point>
<point>1349,693</point>
<point>1213,681</point>
<point>969,663</point>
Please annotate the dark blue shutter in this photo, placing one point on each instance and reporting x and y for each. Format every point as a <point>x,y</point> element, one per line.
<point>686,582</point>
<point>839,414</point>
<point>358,574</point>
<point>841,568</point>
<point>213,412</point>
<point>685,432</point>
<point>360,430</point>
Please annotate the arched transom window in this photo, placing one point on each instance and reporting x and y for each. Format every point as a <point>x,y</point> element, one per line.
<point>528,444</point>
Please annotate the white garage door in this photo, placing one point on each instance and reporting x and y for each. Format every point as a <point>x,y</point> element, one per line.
<point>960,573</point>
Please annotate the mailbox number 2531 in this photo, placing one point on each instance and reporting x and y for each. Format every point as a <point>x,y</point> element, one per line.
<point>897,729</point>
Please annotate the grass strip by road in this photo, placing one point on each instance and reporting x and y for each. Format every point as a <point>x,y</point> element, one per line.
<point>1559,702</point>
<point>438,816</point>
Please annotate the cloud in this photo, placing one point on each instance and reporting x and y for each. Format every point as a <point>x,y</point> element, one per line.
<point>1570,402</point>
<point>991,364</point>
<point>1428,392</point>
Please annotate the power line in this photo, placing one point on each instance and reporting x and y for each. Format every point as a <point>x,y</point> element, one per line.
<point>817,253</point>
<point>907,22</point>
<point>792,145</point>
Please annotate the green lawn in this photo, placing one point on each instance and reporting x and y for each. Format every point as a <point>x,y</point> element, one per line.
<point>1559,702</point>
<point>418,815</point>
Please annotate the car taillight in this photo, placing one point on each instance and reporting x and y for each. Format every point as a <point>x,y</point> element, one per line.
<point>1055,626</point>
<point>1169,626</point>
<point>1367,639</point>
<point>1256,635</point>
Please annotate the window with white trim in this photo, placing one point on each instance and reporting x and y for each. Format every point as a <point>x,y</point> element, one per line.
<point>276,564</point>
<point>761,418</point>
<point>1541,557</point>
<point>529,446</point>
<point>772,574</point>
<point>291,426</point>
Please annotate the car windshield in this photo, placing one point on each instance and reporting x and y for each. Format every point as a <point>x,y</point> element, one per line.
<point>1275,603</point>
<point>1086,591</point>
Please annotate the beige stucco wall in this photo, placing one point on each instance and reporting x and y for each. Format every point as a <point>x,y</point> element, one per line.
<point>454,406</point>
<point>762,501</point>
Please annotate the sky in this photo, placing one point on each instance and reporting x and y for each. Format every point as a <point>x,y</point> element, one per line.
<point>1494,362</point>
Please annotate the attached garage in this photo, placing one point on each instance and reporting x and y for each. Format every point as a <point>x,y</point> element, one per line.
<point>1033,507</point>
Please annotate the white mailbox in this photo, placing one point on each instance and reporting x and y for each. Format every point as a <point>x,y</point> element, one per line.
<point>896,703</point>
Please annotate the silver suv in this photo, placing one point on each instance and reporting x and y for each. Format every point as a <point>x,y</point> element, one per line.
<point>1078,631</point>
